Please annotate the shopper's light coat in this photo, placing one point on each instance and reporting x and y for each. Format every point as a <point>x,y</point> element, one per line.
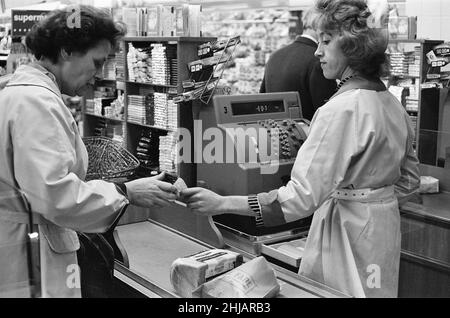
<point>43,156</point>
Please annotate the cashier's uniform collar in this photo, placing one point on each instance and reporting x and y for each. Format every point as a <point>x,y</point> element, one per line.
<point>359,82</point>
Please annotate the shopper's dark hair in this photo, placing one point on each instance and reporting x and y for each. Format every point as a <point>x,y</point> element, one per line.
<point>54,33</point>
<point>363,44</point>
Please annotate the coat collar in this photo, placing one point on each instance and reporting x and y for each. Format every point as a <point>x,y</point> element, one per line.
<point>361,83</point>
<point>304,40</point>
<point>35,75</point>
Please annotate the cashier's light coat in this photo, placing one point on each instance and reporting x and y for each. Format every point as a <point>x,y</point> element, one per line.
<point>357,162</point>
<point>43,156</point>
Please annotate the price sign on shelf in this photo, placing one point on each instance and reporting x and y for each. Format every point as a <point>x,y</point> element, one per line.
<point>439,63</point>
<point>442,50</point>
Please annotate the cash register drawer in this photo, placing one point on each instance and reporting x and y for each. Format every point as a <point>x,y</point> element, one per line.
<point>289,252</point>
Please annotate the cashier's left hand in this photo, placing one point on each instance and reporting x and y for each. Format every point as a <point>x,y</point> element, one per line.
<point>203,201</point>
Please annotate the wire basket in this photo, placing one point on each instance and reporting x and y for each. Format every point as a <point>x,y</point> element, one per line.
<point>108,159</point>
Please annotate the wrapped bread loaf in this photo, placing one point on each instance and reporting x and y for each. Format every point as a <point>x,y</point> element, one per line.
<point>187,273</point>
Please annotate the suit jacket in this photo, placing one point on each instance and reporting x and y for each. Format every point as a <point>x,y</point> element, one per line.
<point>295,68</point>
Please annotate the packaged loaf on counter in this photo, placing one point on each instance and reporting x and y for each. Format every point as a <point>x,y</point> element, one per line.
<point>187,273</point>
<point>254,279</point>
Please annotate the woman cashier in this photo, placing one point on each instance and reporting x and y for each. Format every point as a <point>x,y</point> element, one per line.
<point>357,164</point>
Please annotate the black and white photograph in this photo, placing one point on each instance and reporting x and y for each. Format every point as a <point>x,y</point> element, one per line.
<point>227,157</point>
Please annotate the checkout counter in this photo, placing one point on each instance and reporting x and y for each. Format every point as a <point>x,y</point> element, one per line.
<point>153,244</point>
<point>272,131</point>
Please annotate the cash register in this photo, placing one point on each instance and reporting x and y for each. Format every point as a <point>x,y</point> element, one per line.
<point>274,131</point>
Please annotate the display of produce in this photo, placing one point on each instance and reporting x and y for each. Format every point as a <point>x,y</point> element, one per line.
<point>261,33</point>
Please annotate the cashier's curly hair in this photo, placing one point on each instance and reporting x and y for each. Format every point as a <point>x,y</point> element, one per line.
<point>48,37</point>
<point>363,44</point>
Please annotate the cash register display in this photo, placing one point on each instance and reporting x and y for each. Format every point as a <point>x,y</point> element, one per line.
<point>257,107</point>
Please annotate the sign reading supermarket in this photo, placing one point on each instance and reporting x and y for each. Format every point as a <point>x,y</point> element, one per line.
<point>23,20</point>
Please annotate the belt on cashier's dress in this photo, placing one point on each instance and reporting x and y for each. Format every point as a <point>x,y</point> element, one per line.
<point>365,195</point>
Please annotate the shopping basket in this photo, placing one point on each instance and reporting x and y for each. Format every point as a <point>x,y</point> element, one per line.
<point>108,159</point>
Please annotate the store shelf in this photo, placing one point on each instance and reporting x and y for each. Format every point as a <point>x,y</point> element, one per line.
<point>183,50</point>
<point>424,99</point>
<point>104,117</point>
<point>167,39</point>
<point>405,76</point>
<point>250,21</point>
<point>148,126</point>
<point>152,84</point>
<point>106,80</point>
<point>396,41</point>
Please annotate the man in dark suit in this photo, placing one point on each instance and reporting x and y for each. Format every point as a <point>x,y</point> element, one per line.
<point>295,68</point>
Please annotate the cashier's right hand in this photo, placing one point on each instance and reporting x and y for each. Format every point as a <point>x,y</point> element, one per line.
<point>203,201</point>
<point>151,192</point>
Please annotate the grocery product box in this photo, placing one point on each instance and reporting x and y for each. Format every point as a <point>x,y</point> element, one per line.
<point>403,28</point>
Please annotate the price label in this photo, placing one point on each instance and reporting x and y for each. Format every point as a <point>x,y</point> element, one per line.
<point>438,63</point>
<point>443,51</point>
<point>196,68</point>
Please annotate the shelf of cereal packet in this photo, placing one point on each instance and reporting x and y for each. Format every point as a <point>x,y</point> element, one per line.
<point>155,69</point>
<point>150,72</point>
<point>410,73</point>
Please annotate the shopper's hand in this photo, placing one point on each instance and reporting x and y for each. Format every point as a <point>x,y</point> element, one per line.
<point>203,201</point>
<point>151,192</point>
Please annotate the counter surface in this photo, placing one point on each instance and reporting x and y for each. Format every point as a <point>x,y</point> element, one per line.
<point>152,248</point>
<point>435,206</point>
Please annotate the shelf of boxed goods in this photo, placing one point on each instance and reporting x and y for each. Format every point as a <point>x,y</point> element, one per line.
<point>173,87</point>
<point>411,66</point>
<point>104,117</point>
<point>103,114</point>
<point>154,70</point>
<point>150,137</point>
<point>167,39</point>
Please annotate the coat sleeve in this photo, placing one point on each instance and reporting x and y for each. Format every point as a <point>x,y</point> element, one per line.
<point>44,157</point>
<point>319,168</point>
<point>409,180</point>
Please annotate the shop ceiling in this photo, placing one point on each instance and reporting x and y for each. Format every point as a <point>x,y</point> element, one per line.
<point>6,5</point>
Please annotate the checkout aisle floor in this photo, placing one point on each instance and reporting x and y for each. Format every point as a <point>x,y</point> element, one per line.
<point>152,249</point>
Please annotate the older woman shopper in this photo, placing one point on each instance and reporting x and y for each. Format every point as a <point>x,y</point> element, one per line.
<point>357,164</point>
<point>42,155</point>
